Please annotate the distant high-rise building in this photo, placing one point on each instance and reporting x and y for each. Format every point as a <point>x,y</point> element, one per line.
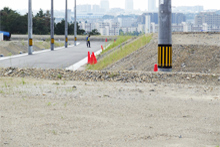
<point>96,8</point>
<point>210,18</point>
<point>152,6</point>
<point>193,9</point>
<point>84,8</point>
<point>104,4</point>
<point>129,5</point>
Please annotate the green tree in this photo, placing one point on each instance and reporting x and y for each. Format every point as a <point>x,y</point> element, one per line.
<point>60,28</point>
<point>13,22</point>
<point>94,32</point>
<point>41,23</point>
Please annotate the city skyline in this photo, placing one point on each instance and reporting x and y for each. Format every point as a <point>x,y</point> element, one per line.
<point>138,4</point>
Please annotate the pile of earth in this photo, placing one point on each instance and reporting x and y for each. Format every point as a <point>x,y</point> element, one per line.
<point>191,53</point>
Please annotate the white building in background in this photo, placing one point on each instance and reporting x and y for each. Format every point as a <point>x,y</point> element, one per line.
<point>129,29</point>
<point>187,27</point>
<point>153,28</point>
<point>104,31</point>
<point>129,5</point>
<point>96,8</point>
<point>109,28</point>
<point>104,4</point>
<point>84,8</point>
<point>141,28</point>
<point>126,22</point>
<point>147,24</point>
<point>152,6</point>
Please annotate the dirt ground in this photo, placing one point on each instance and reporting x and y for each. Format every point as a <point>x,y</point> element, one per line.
<point>191,53</point>
<point>63,113</point>
<point>8,48</point>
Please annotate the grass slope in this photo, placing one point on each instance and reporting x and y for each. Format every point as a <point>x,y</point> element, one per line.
<point>119,41</point>
<point>121,53</point>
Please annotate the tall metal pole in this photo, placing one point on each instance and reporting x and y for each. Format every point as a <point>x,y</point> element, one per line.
<point>52,27</point>
<point>66,27</point>
<point>165,36</point>
<point>30,25</point>
<point>75,30</point>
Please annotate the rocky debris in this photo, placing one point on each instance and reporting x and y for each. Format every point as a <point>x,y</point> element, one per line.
<point>183,65</point>
<point>112,76</point>
<point>8,73</point>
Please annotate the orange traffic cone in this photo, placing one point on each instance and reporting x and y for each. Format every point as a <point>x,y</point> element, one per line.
<point>155,68</point>
<point>102,47</point>
<point>89,58</point>
<point>95,60</point>
<point>92,59</point>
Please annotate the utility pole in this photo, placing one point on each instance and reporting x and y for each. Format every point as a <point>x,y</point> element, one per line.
<point>66,27</point>
<point>30,25</point>
<point>75,30</point>
<point>165,36</point>
<point>52,27</point>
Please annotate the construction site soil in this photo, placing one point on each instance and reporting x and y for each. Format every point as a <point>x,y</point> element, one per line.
<point>118,108</point>
<point>191,53</point>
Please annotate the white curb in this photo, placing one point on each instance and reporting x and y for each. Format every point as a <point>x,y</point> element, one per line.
<point>84,61</point>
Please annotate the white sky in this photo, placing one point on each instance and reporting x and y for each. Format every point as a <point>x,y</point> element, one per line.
<point>138,4</point>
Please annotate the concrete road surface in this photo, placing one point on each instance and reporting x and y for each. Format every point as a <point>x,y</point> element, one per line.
<point>53,59</point>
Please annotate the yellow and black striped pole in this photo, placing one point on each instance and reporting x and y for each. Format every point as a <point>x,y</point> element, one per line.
<point>165,36</point>
<point>165,56</point>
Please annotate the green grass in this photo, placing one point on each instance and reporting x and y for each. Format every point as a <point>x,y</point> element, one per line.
<point>119,54</point>
<point>119,41</point>
<point>59,76</point>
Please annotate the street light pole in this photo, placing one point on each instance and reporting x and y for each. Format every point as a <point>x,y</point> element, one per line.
<point>75,30</point>
<point>165,36</point>
<point>30,25</point>
<point>52,27</point>
<point>66,27</point>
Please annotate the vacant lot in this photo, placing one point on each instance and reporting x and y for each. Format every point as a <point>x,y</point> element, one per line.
<point>64,113</point>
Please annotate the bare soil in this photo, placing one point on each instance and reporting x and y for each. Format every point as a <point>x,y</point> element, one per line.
<point>8,48</point>
<point>64,113</point>
<point>191,53</point>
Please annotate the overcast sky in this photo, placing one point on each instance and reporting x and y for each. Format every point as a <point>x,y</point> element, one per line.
<point>138,4</point>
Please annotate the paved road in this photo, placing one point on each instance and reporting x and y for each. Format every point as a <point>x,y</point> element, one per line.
<point>53,59</point>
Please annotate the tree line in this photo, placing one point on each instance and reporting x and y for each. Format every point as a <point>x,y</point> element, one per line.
<point>11,21</point>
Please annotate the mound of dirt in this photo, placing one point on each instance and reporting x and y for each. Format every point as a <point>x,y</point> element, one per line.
<point>191,53</point>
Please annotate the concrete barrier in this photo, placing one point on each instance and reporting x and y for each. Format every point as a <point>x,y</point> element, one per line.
<point>1,36</point>
<point>61,37</point>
